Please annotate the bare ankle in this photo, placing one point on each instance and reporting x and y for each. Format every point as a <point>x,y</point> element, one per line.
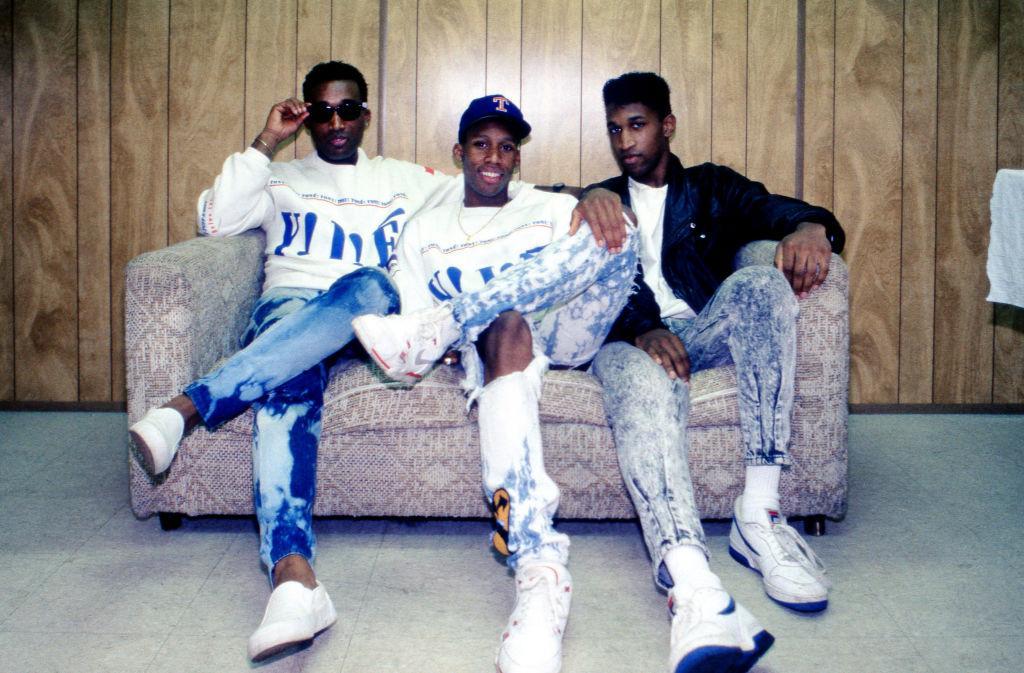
<point>183,405</point>
<point>294,568</point>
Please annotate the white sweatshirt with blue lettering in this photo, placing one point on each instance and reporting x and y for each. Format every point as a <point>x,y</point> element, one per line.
<point>450,249</point>
<point>322,220</point>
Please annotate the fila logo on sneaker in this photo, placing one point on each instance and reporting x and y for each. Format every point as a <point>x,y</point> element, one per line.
<point>774,516</point>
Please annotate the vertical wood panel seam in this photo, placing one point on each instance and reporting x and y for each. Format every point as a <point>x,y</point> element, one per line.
<point>935,177</point>
<point>295,65</point>
<point>835,82</point>
<point>111,319</point>
<point>416,88</point>
<point>746,94</point>
<point>382,42</point>
<point>801,83</point>
<point>245,69</point>
<point>935,215</point>
<point>167,123</point>
<point>903,200</point>
<point>14,230</point>
<point>78,220</point>
<point>487,49</point>
<point>579,121</point>
<point>999,51</point>
<point>711,101</point>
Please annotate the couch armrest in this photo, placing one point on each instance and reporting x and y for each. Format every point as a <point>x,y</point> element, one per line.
<point>823,329</point>
<point>185,307</point>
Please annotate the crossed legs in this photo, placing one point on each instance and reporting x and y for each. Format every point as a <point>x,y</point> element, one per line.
<point>281,372</point>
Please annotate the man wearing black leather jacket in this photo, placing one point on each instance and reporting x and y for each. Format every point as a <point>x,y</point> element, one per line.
<point>689,312</point>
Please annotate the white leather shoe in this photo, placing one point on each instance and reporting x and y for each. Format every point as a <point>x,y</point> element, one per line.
<point>294,614</point>
<point>156,436</point>
<point>792,573</point>
<point>711,632</point>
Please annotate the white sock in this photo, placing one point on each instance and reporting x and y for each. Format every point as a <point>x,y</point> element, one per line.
<point>687,564</point>
<point>761,490</point>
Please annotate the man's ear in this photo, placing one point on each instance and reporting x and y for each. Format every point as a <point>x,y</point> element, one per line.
<point>457,153</point>
<point>367,118</point>
<point>668,126</point>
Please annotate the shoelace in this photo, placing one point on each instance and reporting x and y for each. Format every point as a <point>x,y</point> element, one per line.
<point>530,594</point>
<point>794,547</point>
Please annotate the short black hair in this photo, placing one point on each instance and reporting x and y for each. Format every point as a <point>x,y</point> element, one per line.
<point>333,71</point>
<point>647,88</point>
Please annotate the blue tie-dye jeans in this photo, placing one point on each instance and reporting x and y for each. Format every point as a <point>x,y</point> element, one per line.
<point>751,322</point>
<point>570,295</point>
<point>282,372</point>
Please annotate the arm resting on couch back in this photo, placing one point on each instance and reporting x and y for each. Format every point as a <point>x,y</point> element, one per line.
<point>185,307</point>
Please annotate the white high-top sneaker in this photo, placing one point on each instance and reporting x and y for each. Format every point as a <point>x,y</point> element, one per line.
<point>711,632</point>
<point>532,641</point>
<point>407,346</point>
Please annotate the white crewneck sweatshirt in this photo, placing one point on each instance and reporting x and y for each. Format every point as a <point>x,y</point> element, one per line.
<point>322,220</point>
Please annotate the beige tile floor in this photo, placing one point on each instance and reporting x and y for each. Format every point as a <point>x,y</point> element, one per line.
<point>928,570</point>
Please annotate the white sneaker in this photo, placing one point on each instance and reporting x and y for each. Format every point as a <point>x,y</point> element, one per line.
<point>294,614</point>
<point>407,346</point>
<point>793,575</point>
<point>157,435</point>
<point>532,641</point>
<point>712,633</point>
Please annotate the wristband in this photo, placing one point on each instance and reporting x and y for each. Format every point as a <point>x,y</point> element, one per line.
<point>259,140</point>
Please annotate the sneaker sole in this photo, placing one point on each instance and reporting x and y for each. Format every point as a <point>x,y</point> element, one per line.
<point>272,648</point>
<point>762,643</point>
<point>145,454</point>
<point>711,659</point>
<point>785,601</point>
<point>554,666</point>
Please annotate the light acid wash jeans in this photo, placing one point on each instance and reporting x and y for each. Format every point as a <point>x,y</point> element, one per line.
<point>750,322</point>
<point>281,372</point>
<point>570,295</point>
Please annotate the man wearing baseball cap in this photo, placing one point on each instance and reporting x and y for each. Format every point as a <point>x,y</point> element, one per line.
<point>497,276</point>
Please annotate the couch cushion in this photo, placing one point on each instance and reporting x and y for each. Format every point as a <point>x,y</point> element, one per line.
<point>353,401</point>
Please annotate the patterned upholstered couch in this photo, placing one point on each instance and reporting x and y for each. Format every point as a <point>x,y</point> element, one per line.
<point>387,450</point>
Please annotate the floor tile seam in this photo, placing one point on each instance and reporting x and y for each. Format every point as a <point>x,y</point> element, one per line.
<point>156,655</point>
<point>362,599</point>
<point>199,588</point>
<point>921,657</point>
<point>96,532</point>
<point>22,600</point>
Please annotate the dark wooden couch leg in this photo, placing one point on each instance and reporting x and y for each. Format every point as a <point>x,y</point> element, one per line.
<point>813,525</point>
<point>170,520</point>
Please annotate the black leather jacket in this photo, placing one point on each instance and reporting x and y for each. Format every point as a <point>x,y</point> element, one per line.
<point>711,211</point>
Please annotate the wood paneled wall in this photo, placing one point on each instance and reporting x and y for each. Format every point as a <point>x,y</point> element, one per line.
<point>114,114</point>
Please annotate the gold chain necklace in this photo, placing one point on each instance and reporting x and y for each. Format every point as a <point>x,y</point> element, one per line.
<point>469,235</point>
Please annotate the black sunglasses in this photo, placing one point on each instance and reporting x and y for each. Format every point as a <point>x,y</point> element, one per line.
<point>348,109</point>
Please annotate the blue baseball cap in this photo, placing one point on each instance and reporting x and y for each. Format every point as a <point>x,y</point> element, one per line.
<point>494,106</point>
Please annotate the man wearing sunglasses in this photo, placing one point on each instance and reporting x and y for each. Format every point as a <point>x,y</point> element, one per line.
<point>331,221</point>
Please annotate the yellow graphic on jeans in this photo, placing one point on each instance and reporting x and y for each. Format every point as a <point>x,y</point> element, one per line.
<point>500,507</point>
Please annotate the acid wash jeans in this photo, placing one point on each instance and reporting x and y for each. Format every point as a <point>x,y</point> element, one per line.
<point>570,295</point>
<point>282,372</point>
<point>750,322</point>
